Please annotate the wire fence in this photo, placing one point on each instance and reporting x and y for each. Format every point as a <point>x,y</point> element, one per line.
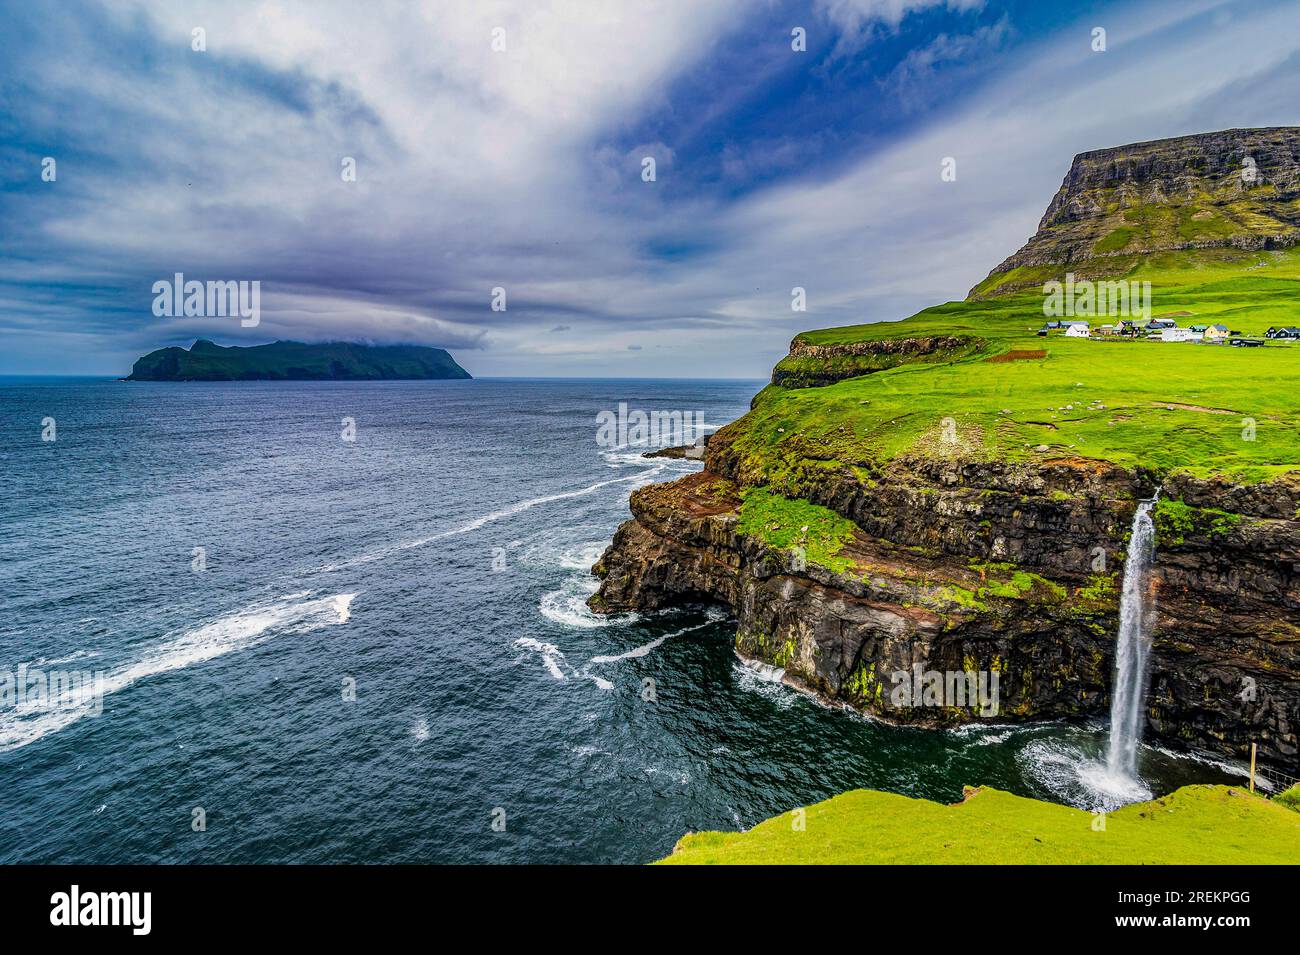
<point>1270,780</point>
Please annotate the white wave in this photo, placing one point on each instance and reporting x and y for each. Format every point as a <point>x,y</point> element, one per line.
<point>485,519</point>
<point>764,680</point>
<point>420,731</point>
<point>646,647</point>
<point>69,658</point>
<point>582,556</point>
<point>22,725</point>
<point>979,729</point>
<point>1218,762</point>
<point>568,605</point>
<point>551,655</point>
<point>991,739</point>
<point>679,775</point>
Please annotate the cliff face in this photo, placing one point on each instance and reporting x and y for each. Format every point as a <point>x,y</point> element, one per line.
<point>1232,190</point>
<point>1007,569</point>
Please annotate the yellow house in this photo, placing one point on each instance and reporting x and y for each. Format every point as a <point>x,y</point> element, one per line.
<point>1216,333</point>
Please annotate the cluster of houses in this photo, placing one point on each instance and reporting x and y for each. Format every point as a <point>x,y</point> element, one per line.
<point>1165,330</point>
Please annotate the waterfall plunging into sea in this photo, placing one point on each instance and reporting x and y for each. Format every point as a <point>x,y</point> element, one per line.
<point>1137,608</point>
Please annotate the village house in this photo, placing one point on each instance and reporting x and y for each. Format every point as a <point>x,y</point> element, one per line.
<point>1078,330</point>
<point>1177,335</point>
<point>1216,333</point>
<point>1283,333</point>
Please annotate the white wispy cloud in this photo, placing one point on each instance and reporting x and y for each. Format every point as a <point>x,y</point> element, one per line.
<point>479,169</point>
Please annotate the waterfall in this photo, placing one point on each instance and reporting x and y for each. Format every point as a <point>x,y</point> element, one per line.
<point>1136,609</point>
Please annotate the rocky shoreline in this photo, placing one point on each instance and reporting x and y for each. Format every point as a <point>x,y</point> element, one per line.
<point>959,565</point>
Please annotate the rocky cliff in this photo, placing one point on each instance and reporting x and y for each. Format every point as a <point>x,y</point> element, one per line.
<point>1008,569</point>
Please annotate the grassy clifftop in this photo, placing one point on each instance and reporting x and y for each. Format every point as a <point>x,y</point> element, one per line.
<point>1197,825</point>
<point>1012,395</point>
<point>1211,221</point>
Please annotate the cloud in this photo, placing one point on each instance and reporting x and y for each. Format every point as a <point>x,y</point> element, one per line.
<point>522,169</point>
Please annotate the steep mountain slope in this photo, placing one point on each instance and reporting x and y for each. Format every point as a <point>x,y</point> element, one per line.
<point>1210,196</point>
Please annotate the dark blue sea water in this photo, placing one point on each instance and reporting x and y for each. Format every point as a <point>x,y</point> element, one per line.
<point>440,561</point>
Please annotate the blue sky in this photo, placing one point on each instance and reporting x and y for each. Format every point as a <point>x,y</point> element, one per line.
<point>521,168</point>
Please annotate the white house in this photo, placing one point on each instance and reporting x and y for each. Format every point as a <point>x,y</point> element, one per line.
<point>1177,335</point>
<point>1077,330</point>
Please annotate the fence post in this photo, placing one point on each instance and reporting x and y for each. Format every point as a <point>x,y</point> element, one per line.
<point>1252,767</point>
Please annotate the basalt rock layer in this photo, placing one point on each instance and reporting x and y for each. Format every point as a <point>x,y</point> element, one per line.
<point>972,567</point>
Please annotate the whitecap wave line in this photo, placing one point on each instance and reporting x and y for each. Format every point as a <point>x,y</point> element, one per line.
<point>554,661</point>
<point>645,648</point>
<point>23,725</point>
<point>552,656</point>
<point>979,729</point>
<point>489,518</point>
<point>68,658</point>
<point>1218,762</point>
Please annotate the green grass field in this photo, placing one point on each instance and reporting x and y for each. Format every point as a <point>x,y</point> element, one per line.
<point>1197,825</point>
<point>1159,405</point>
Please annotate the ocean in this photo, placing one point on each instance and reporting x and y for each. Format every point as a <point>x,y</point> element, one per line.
<point>311,649</point>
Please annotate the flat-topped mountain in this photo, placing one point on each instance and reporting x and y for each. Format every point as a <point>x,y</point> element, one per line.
<point>1208,198</point>
<point>296,361</point>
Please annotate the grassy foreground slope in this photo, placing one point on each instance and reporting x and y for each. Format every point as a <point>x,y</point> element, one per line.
<point>1017,396</point>
<point>1196,825</point>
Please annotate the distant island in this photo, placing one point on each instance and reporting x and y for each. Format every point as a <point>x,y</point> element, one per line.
<point>296,361</point>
